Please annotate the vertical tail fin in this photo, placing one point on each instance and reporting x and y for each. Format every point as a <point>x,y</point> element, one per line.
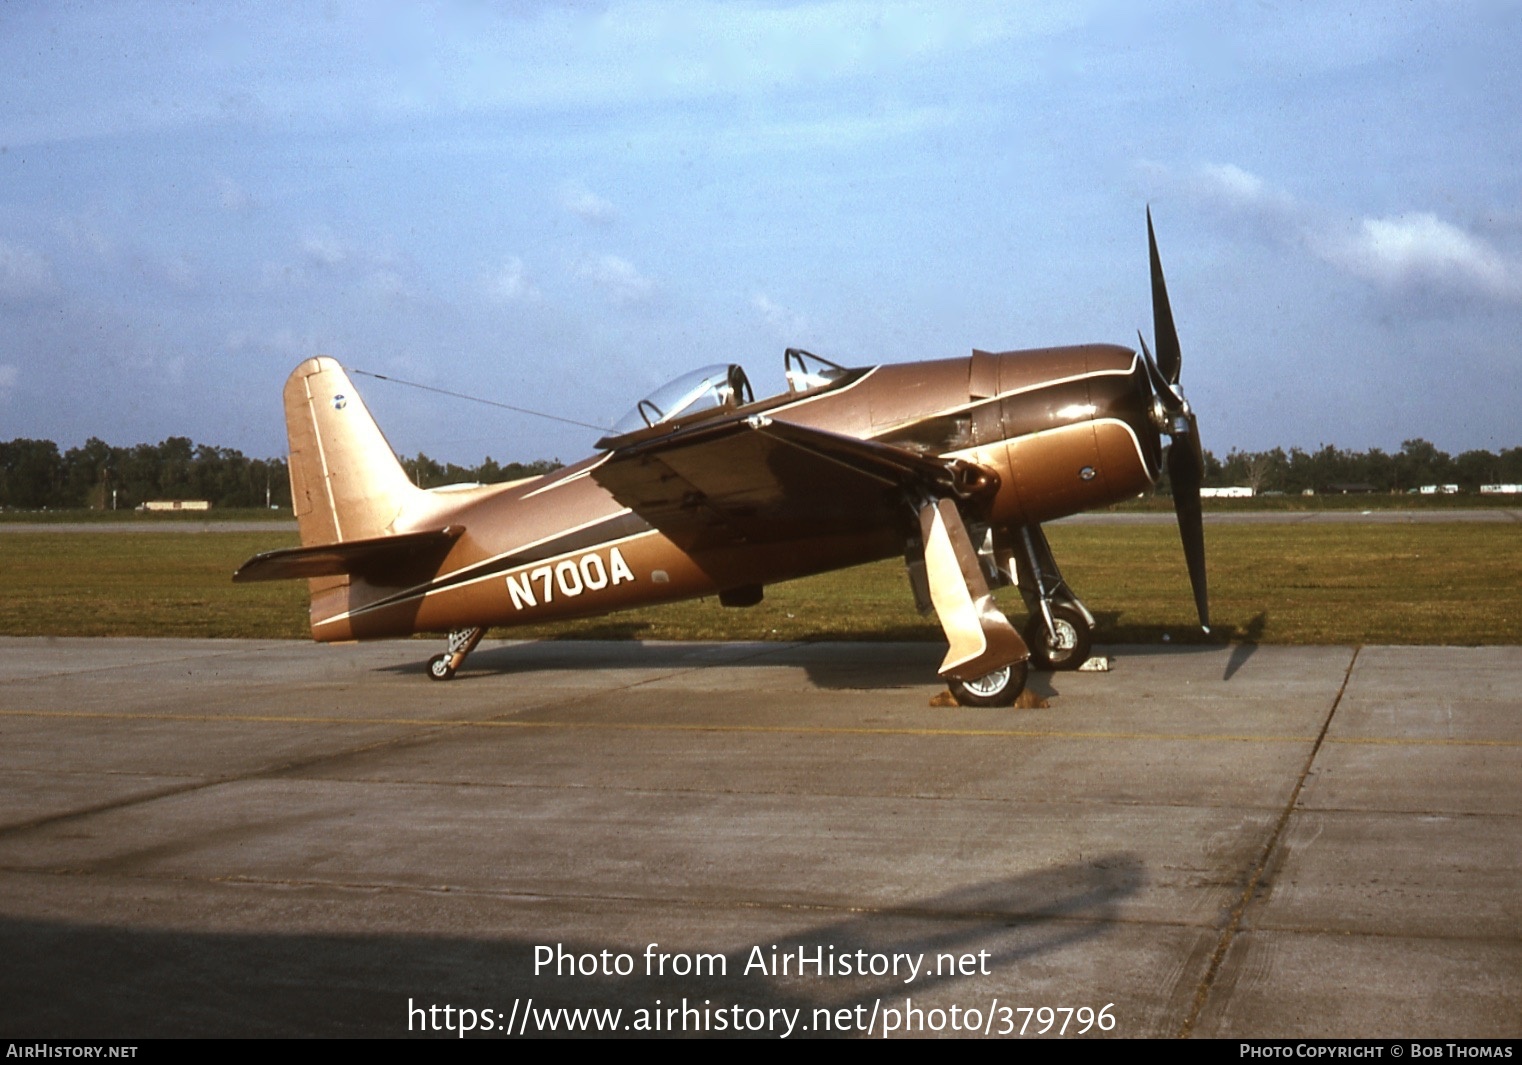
<point>346,483</point>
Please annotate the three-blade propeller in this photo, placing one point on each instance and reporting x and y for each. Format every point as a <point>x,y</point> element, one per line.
<point>1186,458</point>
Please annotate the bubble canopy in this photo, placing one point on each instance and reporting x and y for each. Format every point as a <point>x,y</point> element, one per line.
<point>719,385</point>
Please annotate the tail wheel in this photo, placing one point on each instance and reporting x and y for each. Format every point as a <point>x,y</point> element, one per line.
<point>440,667</point>
<point>1071,647</point>
<point>999,688</point>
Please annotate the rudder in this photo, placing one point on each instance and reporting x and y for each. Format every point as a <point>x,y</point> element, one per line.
<point>346,483</point>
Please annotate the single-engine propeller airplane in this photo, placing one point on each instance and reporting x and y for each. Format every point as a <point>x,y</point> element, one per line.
<point>703,489</point>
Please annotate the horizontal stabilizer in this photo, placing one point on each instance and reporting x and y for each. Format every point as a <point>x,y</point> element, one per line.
<point>360,558</point>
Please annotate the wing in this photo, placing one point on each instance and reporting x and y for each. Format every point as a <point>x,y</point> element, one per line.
<point>759,480</point>
<point>756,480</point>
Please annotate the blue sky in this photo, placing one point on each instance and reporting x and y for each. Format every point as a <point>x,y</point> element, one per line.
<point>560,206</point>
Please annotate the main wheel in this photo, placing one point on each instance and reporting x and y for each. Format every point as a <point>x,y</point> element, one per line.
<point>1074,639</point>
<point>999,688</point>
<point>439,667</point>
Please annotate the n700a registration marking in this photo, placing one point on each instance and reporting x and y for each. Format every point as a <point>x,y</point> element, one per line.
<point>571,576</point>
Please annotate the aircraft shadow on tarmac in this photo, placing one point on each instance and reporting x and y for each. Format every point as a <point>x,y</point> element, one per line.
<point>1244,649</point>
<point>893,666</point>
<point>100,981</point>
<point>864,666</point>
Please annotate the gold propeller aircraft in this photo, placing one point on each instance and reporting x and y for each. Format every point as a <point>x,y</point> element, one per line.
<point>704,490</point>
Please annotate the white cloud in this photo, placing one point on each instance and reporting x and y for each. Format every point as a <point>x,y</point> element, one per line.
<point>512,284</point>
<point>1404,252</point>
<point>391,284</point>
<point>85,237</point>
<point>234,197</point>
<point>319,67</point>
<point>700,49</point>
<point>1225,187</point>
<point>181,273</point>
<point>324,258</point>
<point>841,131</point>
<point>617,277</point>
<point>23,273</point>
<point>785,324</point>
<point>1420,249</point>
<point>283,342</point>
<point>324,249</point>
<point>9,375</point>
<point>587,205</point>
<point>1234,184</point>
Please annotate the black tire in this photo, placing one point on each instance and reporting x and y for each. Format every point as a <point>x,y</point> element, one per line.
<point>999,688</point>
<point>1075,638</point>
<point>439,667</point>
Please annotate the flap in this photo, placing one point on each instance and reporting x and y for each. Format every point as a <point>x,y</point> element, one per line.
<point>980,636</point>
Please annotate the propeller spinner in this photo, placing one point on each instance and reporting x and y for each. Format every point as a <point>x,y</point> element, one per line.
<point>1186,458</point>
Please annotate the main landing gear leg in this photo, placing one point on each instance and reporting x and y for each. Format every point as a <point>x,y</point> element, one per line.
<point>1060,631</point>
<point>461,643</point>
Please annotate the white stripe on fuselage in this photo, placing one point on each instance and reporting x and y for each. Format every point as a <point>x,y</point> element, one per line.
<point>429,588</point>
<point>967,453</point>
<point>578,475</point>
<point>970,404</point>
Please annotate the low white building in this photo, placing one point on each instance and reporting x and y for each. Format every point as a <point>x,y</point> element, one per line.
<point>156,505</point>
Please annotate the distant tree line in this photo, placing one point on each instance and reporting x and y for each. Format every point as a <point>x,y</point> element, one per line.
<point>426,473</point>
<point>1417,463</point>
<point>34,475</point>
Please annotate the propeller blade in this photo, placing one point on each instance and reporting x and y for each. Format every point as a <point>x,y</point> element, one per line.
<point>1168,357</point>
<point>1186,458</point>
<point>1160,386</point>
<point>1186,469</point>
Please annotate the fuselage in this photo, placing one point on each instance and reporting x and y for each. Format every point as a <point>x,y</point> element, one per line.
<point>1062,430</point>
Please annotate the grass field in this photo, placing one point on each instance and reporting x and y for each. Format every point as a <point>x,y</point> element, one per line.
<point>82,516</point>
<point>1416,584</point>
<point>1150,503</point>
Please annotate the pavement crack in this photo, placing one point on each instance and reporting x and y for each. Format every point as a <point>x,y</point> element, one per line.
<point>1234,921</point>
<point>267,772</point>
